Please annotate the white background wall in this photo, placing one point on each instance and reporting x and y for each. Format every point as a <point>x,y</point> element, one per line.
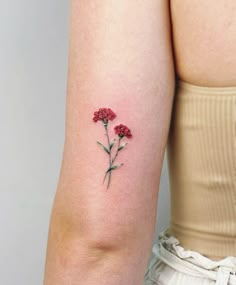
<point>33,73</point>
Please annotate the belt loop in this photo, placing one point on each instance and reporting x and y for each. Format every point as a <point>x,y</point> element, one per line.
<point>223,275</point>
<point>167,239</point>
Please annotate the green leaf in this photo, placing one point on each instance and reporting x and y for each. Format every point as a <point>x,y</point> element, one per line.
<point>122,146</point>
<point>114,167</point>
<point>104,147</point>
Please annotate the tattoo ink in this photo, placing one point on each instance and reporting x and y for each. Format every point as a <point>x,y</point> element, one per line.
<point>105,115</point>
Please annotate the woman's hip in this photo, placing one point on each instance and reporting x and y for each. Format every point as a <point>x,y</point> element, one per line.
<point>174,265</point>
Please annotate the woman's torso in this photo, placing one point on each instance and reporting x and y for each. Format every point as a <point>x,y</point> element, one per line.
<point>204,41</point>
<point>202,131</point>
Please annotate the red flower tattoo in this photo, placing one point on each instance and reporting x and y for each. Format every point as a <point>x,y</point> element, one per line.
<point>104,115</point>
<point>123,131</point>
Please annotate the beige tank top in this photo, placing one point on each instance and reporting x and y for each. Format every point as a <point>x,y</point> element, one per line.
<point>201,156</point>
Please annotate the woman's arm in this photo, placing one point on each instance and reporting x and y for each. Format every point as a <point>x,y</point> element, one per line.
<point>120,58</point>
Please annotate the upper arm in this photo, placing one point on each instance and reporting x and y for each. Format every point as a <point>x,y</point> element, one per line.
<point>120,57</point>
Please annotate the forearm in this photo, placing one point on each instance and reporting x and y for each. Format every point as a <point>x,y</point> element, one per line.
<point>102,225</point>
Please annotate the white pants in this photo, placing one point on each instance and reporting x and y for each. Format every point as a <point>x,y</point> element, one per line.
<point>174,265</point>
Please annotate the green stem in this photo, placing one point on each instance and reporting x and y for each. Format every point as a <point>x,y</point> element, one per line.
<point>116,150</point>
<point>110,158</point>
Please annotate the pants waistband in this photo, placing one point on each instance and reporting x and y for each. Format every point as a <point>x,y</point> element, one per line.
<point>189,262</point>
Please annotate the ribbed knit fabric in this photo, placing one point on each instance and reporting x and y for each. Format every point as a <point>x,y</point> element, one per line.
<point>201,155</point>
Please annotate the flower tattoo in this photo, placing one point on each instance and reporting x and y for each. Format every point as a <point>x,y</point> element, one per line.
<point>105,115</point>
<point>123,131</point>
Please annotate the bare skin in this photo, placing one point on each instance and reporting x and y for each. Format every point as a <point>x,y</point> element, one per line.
<point>120,57</point>
<point>204,38</point>
<point>204,42</point>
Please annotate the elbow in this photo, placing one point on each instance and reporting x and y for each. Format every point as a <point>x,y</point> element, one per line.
<point>75,237</point>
